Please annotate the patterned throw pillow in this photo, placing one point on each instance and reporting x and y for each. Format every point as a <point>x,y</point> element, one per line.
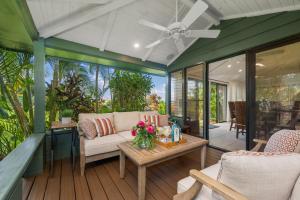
<point>284,141</point>
<point>105,127</point>
<point>153,119</point>
<point>89,129</point>
<point>163,120</point>
<point>253,174</point>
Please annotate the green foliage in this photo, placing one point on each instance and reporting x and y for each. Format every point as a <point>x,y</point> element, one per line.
<point>213,102</point>
<point>67,113</point>
<point>162,107</point>
<point>71,95</point>
<point>129,91</point>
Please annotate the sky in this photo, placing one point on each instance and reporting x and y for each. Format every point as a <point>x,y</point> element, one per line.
<point>158,82</point>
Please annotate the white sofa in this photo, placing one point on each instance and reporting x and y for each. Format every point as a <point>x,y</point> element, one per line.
<point>107,146</point>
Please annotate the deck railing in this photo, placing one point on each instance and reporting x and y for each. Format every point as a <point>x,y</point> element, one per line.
<point>26,159</point>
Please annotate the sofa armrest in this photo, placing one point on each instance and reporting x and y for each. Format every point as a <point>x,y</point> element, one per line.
<point>259,144</point>
<point>202,179</point>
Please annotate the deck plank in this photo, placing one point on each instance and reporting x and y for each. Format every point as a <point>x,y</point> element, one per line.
<point>81,186</point>
<point>109,187</point>
<point>122,185</point>
<point>26,187</point>
<point>96,189</point>
<point>101,180</point>
<point>53,186</point>
<point>67,190</point>
<point>39,187</point>
<point>131,180</point>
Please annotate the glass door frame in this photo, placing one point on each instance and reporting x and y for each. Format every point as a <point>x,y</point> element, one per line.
<point>251,82</point>
<point>250,86</point>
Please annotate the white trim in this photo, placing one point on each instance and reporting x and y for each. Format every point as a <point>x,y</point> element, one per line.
<point>188,46</point>
<point>80,17</point>
<point>109,25</point>
<point>75,1</point>
<point>262,12</point>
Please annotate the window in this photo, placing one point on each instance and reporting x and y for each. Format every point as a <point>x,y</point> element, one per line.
<point>176,94</point>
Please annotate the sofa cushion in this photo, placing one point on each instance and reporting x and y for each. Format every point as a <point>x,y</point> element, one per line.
<point>127,135</point>
<point>83,116</point>
<point>205,193</point>
<point>260,175</point>
<point>296,191</point>
<point>89,129</point>
<point>142,114</point>
<point>124,121</point>
<point>284,141</point>
<point>102,144</point>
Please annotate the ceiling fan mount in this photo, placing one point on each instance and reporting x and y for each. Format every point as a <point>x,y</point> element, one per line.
<point>177,30</point>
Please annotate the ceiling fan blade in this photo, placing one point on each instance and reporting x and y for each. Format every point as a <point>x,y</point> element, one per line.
<point>203,33</point>
<point>198,9</point>
<point>154,43</point>
<point>179,44</point>
<point>153,25</point>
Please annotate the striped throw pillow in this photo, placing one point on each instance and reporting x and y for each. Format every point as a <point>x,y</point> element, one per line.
<point>105,127</point>
<point>153,119</point>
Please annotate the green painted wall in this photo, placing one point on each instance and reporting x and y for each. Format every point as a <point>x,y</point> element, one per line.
<point>238,35</point>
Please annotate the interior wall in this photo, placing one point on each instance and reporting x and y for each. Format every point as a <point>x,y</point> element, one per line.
<point>236,91</point>
<point>238,35</point>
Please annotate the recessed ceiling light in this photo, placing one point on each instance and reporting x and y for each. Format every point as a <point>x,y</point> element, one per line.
<point>260,64</point>
<point>237,62</point>
<point>228,66</point>
<point>240,70</point>
<point>136,45</point>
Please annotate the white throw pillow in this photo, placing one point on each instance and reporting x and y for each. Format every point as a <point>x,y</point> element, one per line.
<point>296,191</point>
<point>260,175</point>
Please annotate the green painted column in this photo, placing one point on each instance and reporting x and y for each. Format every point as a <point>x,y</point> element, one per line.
<point>39,86</point>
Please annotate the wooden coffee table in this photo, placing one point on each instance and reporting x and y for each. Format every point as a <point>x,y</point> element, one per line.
<point>146,158</point>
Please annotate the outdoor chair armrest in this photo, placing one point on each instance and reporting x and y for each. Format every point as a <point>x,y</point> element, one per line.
<point>202,179</point>
<point>258,145</point>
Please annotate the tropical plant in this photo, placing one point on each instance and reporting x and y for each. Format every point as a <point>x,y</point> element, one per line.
<point>129,90</point>
<point>162,107</point>
<point>67,113</point>
<point>70,95</point>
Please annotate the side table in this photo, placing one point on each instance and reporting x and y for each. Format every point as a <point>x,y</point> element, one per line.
<point>60,126</point>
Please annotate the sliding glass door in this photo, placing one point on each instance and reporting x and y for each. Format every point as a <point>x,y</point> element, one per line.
<point>221,103</point>
<point>195,99</point>
<point>277,82</point>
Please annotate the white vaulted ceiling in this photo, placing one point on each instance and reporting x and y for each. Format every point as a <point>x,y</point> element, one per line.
<point>114,26</point>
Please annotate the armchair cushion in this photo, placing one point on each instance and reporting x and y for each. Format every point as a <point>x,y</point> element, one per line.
<point>284,141</point>
<point>267,176</point>
<point>296,191</point>
<point>205,193</point>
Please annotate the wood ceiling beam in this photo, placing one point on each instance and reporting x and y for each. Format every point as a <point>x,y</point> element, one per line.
<point>80,17</point>
<point>109,25</point>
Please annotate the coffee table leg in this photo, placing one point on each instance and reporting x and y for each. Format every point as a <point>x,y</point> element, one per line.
<point>122,165</point>
<point>203,156</point>
<point>141,182</point>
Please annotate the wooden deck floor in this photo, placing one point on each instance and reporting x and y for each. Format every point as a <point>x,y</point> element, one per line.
<point>101,180</point>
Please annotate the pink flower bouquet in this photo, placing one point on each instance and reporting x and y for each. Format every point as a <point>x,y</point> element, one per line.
<point>144,135</point>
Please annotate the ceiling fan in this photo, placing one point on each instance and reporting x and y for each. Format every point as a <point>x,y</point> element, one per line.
<point>178,29</point>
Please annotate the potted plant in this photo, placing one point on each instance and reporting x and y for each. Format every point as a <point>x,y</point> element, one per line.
<point>66,116</point>
<point>144,135</point>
